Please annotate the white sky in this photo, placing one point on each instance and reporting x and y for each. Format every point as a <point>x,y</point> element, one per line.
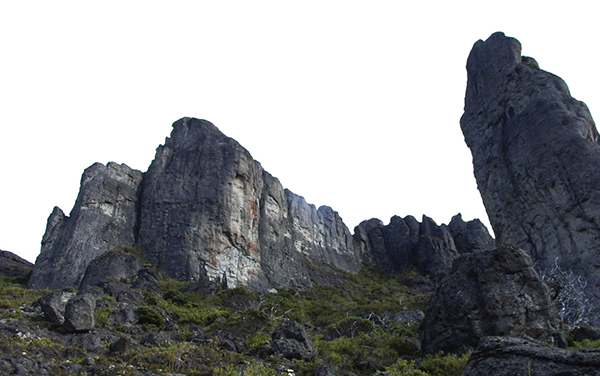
<point>351,104</point>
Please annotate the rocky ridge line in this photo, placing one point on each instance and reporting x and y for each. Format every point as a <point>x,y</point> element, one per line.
<point>207,211</point>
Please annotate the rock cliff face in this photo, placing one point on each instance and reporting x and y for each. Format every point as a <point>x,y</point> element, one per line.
<point>104,217</point>
<point>405,243</point>
<point>210,210</point>
<point>536,159</point>
<point>207,211</point>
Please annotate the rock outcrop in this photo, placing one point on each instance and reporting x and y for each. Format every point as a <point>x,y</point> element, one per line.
<point>103,218</point>
<point>407,244</point>
<point>14,266</point>
<point>536,159</point>
<point>506,356</point>
<point>206,211</point>
<point>209,210</point>
<point>489,293</point>
<point>290,340</point>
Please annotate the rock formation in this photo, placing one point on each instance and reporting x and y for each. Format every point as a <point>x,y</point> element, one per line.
<point>405,243</point>
<point>536,159</point>
<point>104,217</point>
<point>506,356</point>
<point>489,293</point>
<point>290,340</point>
<point>14,266</point>
<point>207,211</point>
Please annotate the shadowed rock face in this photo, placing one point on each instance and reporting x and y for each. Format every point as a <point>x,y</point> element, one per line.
<point>104,217</point>
<point>12,265</point>
<point>488,293</point>
<point>505,356</point>
<point>536,159</point>
<point>407,244</point>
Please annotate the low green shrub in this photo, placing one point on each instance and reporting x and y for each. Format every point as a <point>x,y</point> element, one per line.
<point>149,317</point>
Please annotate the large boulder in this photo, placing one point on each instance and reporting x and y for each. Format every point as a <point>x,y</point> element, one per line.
<point>536,160</point>
<point>290,340</point>
<point>506,356</point>
<point>103,218</point>
<point>53,305</point>
<point>79,314</point>
<point>489,293</point>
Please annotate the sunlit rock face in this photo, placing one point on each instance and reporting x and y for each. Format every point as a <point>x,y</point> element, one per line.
<point>104,217</point>
<point>536,159</point>
<point>209,210</point>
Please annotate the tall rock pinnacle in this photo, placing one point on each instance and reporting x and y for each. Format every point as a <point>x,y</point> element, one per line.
<point>536,159</point>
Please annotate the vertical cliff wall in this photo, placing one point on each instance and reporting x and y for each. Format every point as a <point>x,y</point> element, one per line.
<point>536,159</point>
<point>210,210</point>
<point>104,217</point>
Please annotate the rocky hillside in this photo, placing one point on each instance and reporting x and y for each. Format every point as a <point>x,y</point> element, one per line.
<point>207,211</point>
<point>536,160</point>
<point>206,265</point>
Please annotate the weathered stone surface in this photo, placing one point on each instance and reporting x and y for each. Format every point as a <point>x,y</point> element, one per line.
<point>290,340</point>
<point>54,304</point>
<point>405,243</point>
<point>12,265</point>
<point>488,293</point>
<point>470,236</point>
<point>115,265</point>
<point>103,218</point>
<point>536,159</point>
<point>79,314</point>
<point>505,356</point>
<point>209,211</point>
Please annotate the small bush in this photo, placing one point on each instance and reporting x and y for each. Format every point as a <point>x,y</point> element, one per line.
<point>149,317</point>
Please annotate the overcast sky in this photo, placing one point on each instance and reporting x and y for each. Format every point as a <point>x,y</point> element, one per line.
<point>355,105</point>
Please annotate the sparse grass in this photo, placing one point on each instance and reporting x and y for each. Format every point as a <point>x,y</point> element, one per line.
<point>352,327</point>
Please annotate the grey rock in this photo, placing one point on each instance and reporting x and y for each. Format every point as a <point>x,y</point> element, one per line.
<point>291,341</point>
<point>121,346</point>
<point>79,314</point>
<point>406,244</point>
<point>93,342</point>
<point>124,314</point>
<point>489,293</point>
<point>147,280</point>
<point>505,356</point>
<point>103,218</point>
<point>116,265</point>
<point>210,212</point>
<point>536,160</point>
<point>53,305</point>
<point>14,266</point>
<point>470,236</point>
<point>409,315</point>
